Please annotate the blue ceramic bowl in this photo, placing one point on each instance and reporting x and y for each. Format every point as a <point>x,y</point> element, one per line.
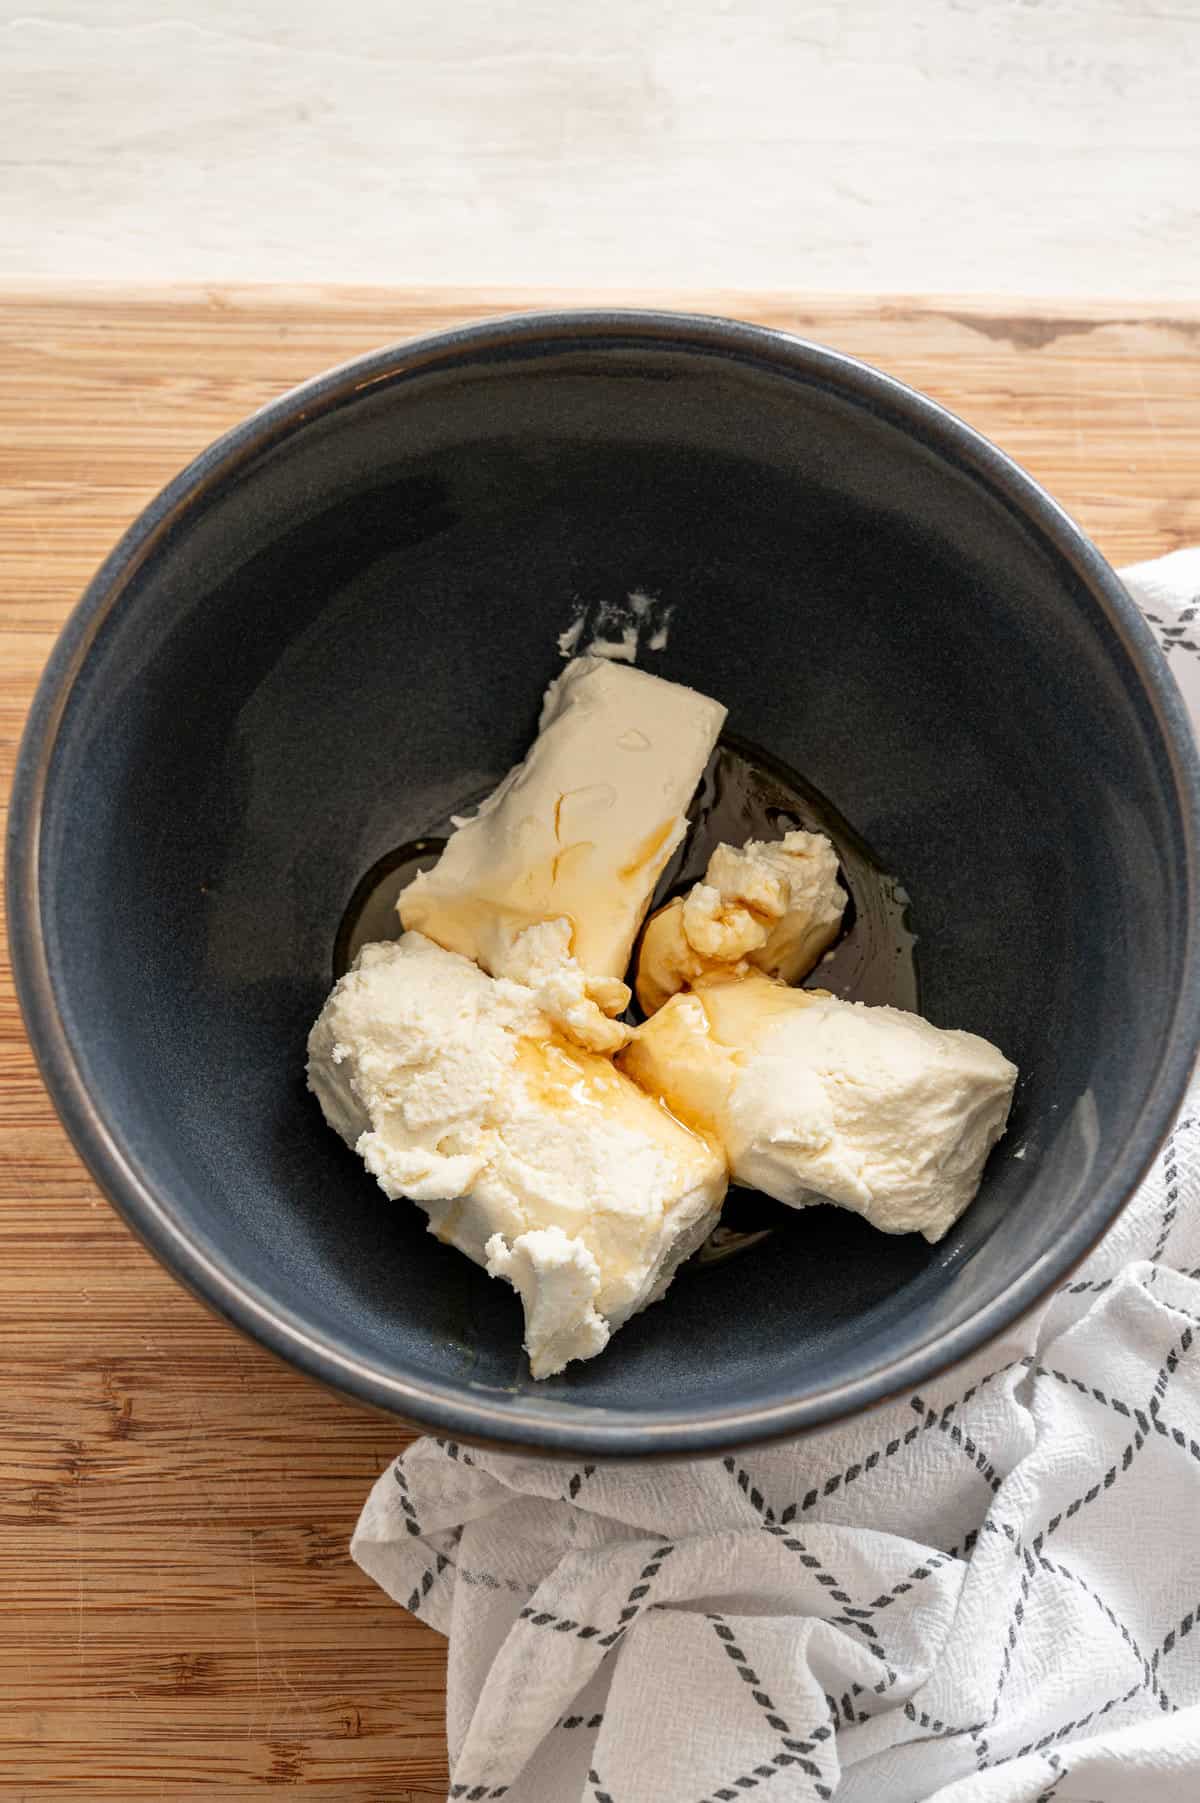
<point>336,625</point>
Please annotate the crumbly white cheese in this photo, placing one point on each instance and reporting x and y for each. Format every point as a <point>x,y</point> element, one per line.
<point>582,1007</point>
<point>558,1280</point>
<point>817,1099</point>
<point>776,906</point>
<point>538,1159</point>
<point>576,836</point>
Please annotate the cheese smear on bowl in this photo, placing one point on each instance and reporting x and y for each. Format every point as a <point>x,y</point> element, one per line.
<point>820,1100</point>
<point>550,880</point>
<point>540,1160</point>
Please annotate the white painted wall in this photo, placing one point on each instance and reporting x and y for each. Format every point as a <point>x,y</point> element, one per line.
<point>1013,145</point>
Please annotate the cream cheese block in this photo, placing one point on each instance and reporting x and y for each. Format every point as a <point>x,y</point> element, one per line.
<point>816,1099</point>
<point>537,1158</point>
<point>776,906</point>
<point>550,880</point>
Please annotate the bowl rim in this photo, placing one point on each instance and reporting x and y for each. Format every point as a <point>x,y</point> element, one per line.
<point>516,1422</point>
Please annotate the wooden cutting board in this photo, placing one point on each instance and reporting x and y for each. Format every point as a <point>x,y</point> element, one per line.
<point>178,1615</point>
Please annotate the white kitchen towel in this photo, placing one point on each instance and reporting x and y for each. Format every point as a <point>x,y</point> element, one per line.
<point>984,1592</point>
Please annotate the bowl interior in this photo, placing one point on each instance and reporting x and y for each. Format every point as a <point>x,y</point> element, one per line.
<point>330,646</point>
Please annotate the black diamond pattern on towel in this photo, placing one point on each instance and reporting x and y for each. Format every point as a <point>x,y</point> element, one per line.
<point>1070,1730</point>
<point>1149,1668</point>
<point>1150,1423</point>
<point>545,1618</point>
<point>1171,1179</point>
<point>794,1750</point>
<point>858,1467</point>
<point>940,1730</point>
<point>1033,1559</point>
<point>427,1580</point>
<point>411,1523</point>
<point>925,1569</point>
<point>957,1437</point>
<point>578,1480</point>
<point>1174,1635</point>
<point>851,1617</point>
<point>1143,1418</point>
<point>1175,635</point>
<point>748,1488</point>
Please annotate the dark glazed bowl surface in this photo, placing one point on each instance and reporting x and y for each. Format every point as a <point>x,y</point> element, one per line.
<point>337,624</point>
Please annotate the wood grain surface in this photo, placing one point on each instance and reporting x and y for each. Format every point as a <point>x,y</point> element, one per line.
<point>179,1617</point>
